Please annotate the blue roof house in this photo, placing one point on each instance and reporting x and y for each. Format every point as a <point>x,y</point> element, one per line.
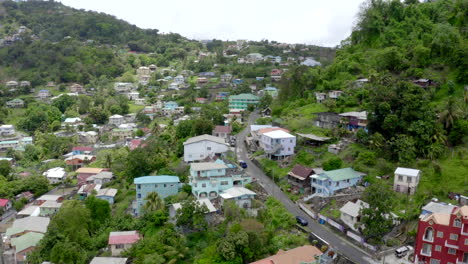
<point>328,182</point>
<point>171,105</point>
<point>164,185</point>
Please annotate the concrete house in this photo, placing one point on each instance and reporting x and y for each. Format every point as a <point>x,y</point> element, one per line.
<point>120,87</point>
<point>15,103</point>
<point>334,94</point>
<point>107,194</point>
<point>23,245</point>
<point>163,185</point>
<point>300,255</point>
<point>43,94</point>
<point>55,175</point>
<point>241,196</point>
<point>49,208</point>
<point>179,79</point>
<point>120,241</point>
<point>108,260</point>
<point>116,120</point>
<point>327,120</point>
<point>78,161</point>
<point>354,120</point>
<point>242,101</point>
<point>7,130</point>
<point>122,134</point>
<point>351,213</point>
<point>101,178</point>
<point>89,137</point>
<point>201,147</point>
<point>320,97</point>
<point>278,143</point>
<point>85,173</point>
<point>406,180</point>
<point>222,132</point>
<point>173,208</point>
<point>88,189</point>
<point>77,88</point>
<point>328,183</point>
<point>133,95</point>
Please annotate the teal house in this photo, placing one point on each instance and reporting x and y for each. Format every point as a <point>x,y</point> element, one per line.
<point>272,91</point>
<point>209,179</point>
<point>163,185</point>
<point>242,101</point>
<point>171,105</point>
<point>328,183</point>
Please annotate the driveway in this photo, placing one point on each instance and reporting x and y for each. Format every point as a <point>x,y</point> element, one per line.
<point>352,252</point>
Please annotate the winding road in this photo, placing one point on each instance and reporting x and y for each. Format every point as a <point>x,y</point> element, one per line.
<point>350,251</point>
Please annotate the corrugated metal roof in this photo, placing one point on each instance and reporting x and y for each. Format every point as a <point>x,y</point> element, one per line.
<point>156,179</point>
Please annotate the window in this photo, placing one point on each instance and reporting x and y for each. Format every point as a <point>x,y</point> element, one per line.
<point>190,155</point>
<point>434,261</point>
<point>452,251</point>
<point>290,140</point>
<point>139,195</point>
<point>208,148</point>
<point>440,234</point>
<point>429,234</point>
<point>337,183</point>
<point>400,178</point>
<point>219,170</point>
<point>457,223</point>
<point>438,248</point>
<point>453,236</point>
<point>203,185</point>
<point>224,183</point>
<point>155,186</point>
<point>347,181</point>
<point>138,186</point>
<point>408,179</point>
<point>426,249</point>
<point>466,241</point>
<point>119,246</point>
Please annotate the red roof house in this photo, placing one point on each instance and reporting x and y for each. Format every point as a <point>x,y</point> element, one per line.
<point>299,178</point>
<point>5,204</point>
<point>120,241</point>
<point>222,131</point>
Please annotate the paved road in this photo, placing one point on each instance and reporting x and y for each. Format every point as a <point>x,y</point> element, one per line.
<point>349,250</point>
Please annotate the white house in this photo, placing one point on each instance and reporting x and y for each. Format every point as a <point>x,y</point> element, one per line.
<point>116,120</point>
<point>133,95</point>
<point>406,180</point>
<point>334,94</point>
<point>278,143</point>
<point>240,195</point>
<point>179,79</point>
<point>201,147</point>
<point>55,175</point>
<point>320,97</point>
<point>123,87</point>
<point>351,213</point>
<point>7,130</point>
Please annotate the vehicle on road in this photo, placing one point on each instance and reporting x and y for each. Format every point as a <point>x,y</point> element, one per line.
<point>402,251</point>
<point>300,220</point>
<point>243,164</point>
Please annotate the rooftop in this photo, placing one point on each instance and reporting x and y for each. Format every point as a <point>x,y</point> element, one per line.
<point>156,179</point>
<point>244,96</point>
<point>204,201</point>
<point>49,197</point>
<point>301,172</point>
<point>30,223</point>
<point>205,137</point>
<point>360,115</point>
<point>51,204</point>
<point>407,172</point>
<point>222,129</point>
<point>236,192</point>
<point>108,260</point>
<point>107,192</point>
<point>434,207</point>
<point>4,202</point>
<point>202,166</point>
<point>26,241</point>
<point>278,134</point>
<point>299,255</point>
<point>90,170</point>
<point>125,237</point>
<point>341,174</point>
<point>353,209</point>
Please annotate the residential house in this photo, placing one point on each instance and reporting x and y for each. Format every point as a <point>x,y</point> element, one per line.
<point>123,87</point>
<point>11,84</point>
<point>266,112</point>
<point>276,72</point>
<point>163,185</point>
<point>201,100</point>
<point>48,197</point>
<point>276,78</point>
<point>171,105</point>
<point>351,213</point>
<point>101,178</point>
<point>406,180</point>
<point>7,130</point>
<point>22,246</point>
<point>152,67</point>
<point>116,120</point>
<point>133,95</point>
<point>85,173</point>
<point>80,160</point>
<point>237,81</point>
<point>89,137</point>
<point>87,189</point>
<point>78,150</point>
<point>201,147</point>
<point>107,194</point>
<point>222,132</point>
<point>143,70</point>
<point>254,58</point>
<point>311,62</point>
<point>437,207</point>
<point>15,103</point>
<point>360,82</point>
<point>242,101</point>
<point>5,205</point>
<point>354,120</point>
<point>424,83</point>
<point>299,178</point>
<point>71,122</point>
<point>202,80</point>
<point>108,260</point>
<point>31,210</point>
<point>120,241</point>
<point>300,255</point>
<point>179,79</point>
<point>442,238</point>
<point>327,120</point>
<point>25,84</point>
<point>210,214</point>
<point>43,94</point>
<point>259,78</point>
<point>122,134</point>
<point>334,94</point>
<point>278,143</point>
<point>140,101</point>
<point>209,179</point>
<point>225,77</point>
<point>77,88</point>
<point>26,195</point>
<point>221,96</point>
<point>320,97</point>
<point>241,196</point>
<point>55,175</point>
<point>328,183</point>
<point>49,208</point>
<point>25,225</point>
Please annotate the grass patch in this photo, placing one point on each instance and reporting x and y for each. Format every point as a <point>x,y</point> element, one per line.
<point>331,210</point>
<point>135,108</point>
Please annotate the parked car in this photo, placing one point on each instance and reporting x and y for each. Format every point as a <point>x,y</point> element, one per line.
<point>243,164</point>
<point>402,251</point>
<point>300,220</point>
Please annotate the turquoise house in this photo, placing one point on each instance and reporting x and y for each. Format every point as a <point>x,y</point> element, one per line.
<point>328,182</point>
<point>164,185</point>
<point>242,101</point>
<point>273,91</point>
<point>209,179</point>
<point>171,105</point>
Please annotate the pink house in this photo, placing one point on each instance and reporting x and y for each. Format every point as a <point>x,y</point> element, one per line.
<point>120,241</point>
<point>5,205</point>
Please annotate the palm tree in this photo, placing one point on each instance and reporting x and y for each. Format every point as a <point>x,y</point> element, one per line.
<point>153,202</point>
<point>450,113</point>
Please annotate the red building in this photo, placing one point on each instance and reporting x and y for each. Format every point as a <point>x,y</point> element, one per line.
<point>443,238</point>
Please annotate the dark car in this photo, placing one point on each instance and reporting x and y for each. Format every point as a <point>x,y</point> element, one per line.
<point>300,220</point>
<point>243,164</point>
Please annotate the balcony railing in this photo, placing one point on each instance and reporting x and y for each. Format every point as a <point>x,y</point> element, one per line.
<point>450,245</point>
<point>426,253</point>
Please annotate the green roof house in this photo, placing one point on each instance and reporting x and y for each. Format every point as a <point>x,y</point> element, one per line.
<point>242,101</point>
<point>328,182</point>
<point>25,244</point>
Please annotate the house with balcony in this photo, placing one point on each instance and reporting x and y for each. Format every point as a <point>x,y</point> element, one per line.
<point>121,87</point>
<point>7,130</point>
<point>320,97</point>
<point>278,144</point>
<point>163,185</point>
<point>406,180</point>
<point>442,238</point>
<point>209,179</point>
<point>242,101</point>
<point>354,120</point>
<point>15,103</point>
<point>116,120</point>
<point>204,146</point>
<point>328,183</point>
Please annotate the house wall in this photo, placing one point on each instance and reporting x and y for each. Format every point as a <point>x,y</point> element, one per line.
<point>329,187</point>
<point>47,211</point>
<point>244,201</point>
<point>348,220</point>
<point>288,145</point>
<point>54,180</point>
<point>163,190</point>
<point>202,149</point>
<point>116,121</point>
<point>109,199</point>
<point>116,250</point>
<point>402,185</point>
<point>210,187</point>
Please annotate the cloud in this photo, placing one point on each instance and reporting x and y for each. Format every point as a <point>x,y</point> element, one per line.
<point>316,22</point>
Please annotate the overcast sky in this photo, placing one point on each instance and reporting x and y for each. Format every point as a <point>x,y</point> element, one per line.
<point>319,22</point>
